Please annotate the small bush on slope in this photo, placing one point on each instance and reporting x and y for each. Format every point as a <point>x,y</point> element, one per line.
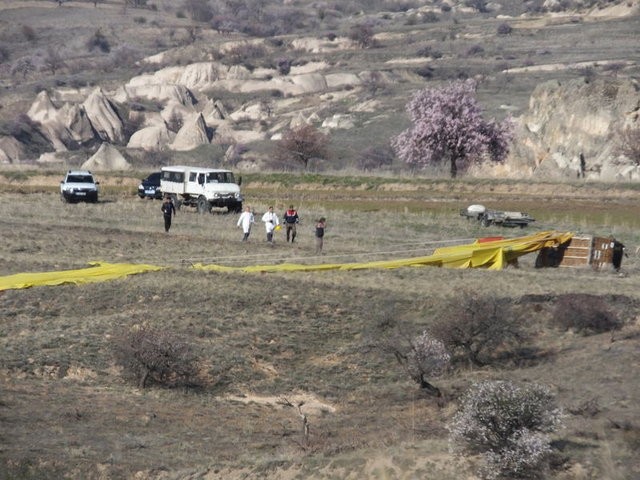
<point>586,314</point>
<point>151,355</point>
<point>508,425</point>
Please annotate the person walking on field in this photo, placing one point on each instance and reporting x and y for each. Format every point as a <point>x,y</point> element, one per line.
<point>245,221</point>
<point>271,221</point>
<point>320,228</point>
<point>291,219</point>
<point>168,210</point>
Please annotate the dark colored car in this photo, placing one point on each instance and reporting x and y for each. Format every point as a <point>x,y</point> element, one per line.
<point>150,187</point>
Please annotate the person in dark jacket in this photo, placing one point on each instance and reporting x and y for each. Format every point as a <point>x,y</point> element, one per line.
<point>617,253</point>
<point>320,227</point>
<point>291,219</point>
<point>168,210</point>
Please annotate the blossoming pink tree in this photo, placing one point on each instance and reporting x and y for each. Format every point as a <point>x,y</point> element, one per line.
<point>448,125</point>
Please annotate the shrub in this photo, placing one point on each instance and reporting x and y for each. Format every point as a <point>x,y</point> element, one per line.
<point>125,55</point>
<point>373,158</point>
<point>425,71</point>
<point>99,41</point>
<point>4,54</point>
<point>474,50</point>
<point>535,6</point>
<point>508,425</point>
<point>150,355</point>
<point>430,17</point>
<point>374,84</point>
<point>427,51</point>
<point>423,357</point>
<point>411,19</point>
<point>284,66</point>
<point>140,20</point>
<point>29,33</point>
<point>476,329</point>
<point>504,29</point>
<point>427,358</point>
<point>585,313</point>
<point>362,34</point>
<point>244,52</point>
<point>401,5</point>
<point>199,10</point>
<point>479,5</point>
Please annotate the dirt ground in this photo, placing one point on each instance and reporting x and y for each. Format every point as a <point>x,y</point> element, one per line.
<point>278,348</point>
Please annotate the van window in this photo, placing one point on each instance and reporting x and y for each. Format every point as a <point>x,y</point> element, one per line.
<point>172,176</point>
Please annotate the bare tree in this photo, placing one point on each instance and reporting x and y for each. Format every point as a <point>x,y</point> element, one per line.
<point>301,144</point>
<point>53,61</point>
<point>475,328</point>
<point>630,144</point>
<point>23,66</point>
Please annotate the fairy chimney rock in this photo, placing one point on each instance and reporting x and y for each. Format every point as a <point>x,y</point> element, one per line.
<point>192,134</point>
<point>106,158</point>
<point>103,117</point>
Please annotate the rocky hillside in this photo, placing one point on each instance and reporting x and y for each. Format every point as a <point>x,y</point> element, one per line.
<point>223,95</point>
<point>572,129</point>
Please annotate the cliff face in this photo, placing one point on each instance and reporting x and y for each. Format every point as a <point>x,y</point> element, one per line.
<point>567,120</point>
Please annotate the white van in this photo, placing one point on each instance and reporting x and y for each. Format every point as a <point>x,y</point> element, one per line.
<point>203,188</point>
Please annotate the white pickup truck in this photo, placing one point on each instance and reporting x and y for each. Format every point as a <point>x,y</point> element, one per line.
<point>497,217</point>
<point>203,188</point>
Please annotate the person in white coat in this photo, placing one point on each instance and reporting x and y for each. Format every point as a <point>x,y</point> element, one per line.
<point>271,221</point>
<point>245,221</point>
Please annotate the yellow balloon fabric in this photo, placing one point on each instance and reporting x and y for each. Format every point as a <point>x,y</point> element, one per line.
<point>99,272</point>
<point>492,255</point>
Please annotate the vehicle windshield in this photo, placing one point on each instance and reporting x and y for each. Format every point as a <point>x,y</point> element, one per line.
<point>220,177</point>
<point>79,179</point>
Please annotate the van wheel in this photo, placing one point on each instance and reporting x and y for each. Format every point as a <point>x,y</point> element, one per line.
<point>203,205</point>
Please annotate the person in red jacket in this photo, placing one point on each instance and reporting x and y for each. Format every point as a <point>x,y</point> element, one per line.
<point>291,219</point>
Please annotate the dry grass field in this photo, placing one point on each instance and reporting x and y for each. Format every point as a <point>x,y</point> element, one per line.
<point>269,341</point>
